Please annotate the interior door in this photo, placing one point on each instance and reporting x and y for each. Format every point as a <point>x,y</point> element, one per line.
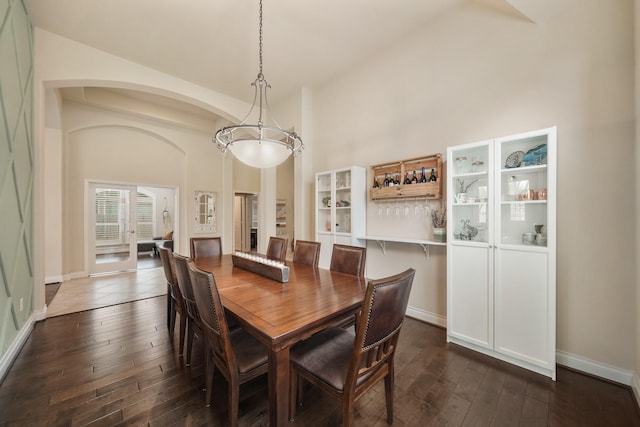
<point>238,223</point>
<point>111,232</point>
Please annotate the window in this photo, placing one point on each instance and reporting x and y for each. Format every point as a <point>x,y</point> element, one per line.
<point>112,210</point>
<point>145,218</point>
<point>112,207</point>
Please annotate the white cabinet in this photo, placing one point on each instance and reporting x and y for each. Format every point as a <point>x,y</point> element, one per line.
<point>501,261</point>
<point>341,200</point>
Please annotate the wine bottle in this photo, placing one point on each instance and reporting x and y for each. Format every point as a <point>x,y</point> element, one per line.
<point>433,177</point>
<point>376,184</point>
<point>414,178</point>
<point>423,178</point>
<point>406,178</point>
<point>397,180</point>
<point>385,183</point>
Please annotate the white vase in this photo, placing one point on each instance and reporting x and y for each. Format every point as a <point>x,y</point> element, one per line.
<point>439,234</point>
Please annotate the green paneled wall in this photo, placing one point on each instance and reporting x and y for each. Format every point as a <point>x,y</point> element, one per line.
<point>16,170</point>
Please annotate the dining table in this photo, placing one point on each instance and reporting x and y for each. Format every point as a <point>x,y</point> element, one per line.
<point>281,314</point>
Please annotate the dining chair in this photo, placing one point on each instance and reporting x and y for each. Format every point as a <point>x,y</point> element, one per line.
<point>205,247</point>
<point>277,248</point>
<point>176,301</point>
<point>346,366</point>
<point>236,354</point>
<point>348,259</point>
<point>306,252</point>
<point>194,324</point>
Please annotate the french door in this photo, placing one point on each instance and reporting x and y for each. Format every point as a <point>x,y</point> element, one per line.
<point>111,227</point>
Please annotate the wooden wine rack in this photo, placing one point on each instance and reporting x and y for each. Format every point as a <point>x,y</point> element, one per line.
<point>426,190</point>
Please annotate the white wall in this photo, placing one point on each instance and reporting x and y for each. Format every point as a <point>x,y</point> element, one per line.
<point>476,74</point>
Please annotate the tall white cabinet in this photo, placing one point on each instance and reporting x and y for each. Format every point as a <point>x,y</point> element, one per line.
<point>341,203</point>
<point>501,259</point>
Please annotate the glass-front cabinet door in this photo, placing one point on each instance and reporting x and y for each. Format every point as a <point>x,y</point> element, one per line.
<point>471,193</point>
<point>470,237</point>
<point>523,190</point>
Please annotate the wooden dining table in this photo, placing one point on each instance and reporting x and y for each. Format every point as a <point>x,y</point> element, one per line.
<point>282,314</point>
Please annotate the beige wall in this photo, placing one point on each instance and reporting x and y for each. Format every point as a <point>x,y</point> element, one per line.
<point>103,146</point>
<point>476,74</point>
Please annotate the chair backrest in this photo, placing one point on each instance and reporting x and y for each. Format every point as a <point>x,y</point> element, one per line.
<point>168,264</point>
<point>306,252</point>
<point>185,285</point>
<point>348,259</point>
<point>213,318</point>
<point>205,247</point>
<point>277,248</point>
<point>378,326</point>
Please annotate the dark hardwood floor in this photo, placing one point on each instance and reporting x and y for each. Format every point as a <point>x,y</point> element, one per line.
<point>116,366</point>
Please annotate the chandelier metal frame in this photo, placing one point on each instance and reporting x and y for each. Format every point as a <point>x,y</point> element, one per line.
<point>229,136</point>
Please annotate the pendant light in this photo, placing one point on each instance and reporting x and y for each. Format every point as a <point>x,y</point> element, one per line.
<point>259,145</point>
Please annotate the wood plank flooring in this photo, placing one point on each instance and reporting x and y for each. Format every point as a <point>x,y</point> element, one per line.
<point>117,366</point>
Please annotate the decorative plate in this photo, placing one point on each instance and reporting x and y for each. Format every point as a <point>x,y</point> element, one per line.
<point>514,159</point>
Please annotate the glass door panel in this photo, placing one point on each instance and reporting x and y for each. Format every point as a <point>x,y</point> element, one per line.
<point>523,190</point>
<point>470,193</point>
<point>112,238</point>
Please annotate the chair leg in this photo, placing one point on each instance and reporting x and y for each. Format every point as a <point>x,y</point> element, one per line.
<point>300,385</point>
<point>210,369</point>
<point>172,321</point>
<point>190,333</point>
<point>183,327</point>
<point>347,413</point>
<point>169,305</point>
<point>234,402</point>
<point>388,388</point>
<point>293,393</point>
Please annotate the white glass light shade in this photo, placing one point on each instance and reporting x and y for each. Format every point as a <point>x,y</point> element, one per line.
<point>259,154</point>
<point>258,146</point>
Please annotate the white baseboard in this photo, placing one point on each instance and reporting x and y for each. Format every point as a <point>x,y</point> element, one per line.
<point>602,370</point>
<point>12,352</point>
<point>425,316</point>
<point>53,279</point>
<point>636,387</point>
<point>75,275</point>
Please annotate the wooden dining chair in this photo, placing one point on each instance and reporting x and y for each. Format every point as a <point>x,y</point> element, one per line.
<point>205,247</point>
<point>277,248</point>
<point>175,299</point>
<point>348,259</point>
<point>346,366</point>
<point>194,324</point>
<point>237,355</point>
<point>306,252</point>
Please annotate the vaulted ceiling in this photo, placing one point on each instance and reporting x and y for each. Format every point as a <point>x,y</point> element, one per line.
<point>214,43</point>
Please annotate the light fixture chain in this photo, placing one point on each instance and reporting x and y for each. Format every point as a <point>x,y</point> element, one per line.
<point>260,42</point>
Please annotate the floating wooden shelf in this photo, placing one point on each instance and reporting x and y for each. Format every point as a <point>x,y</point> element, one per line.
<point>426,190</point>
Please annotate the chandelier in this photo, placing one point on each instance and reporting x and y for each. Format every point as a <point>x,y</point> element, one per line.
<point>259,145</point>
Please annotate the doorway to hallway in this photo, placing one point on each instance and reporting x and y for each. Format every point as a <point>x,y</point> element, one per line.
<point>124,224</point>
<point>245,222</point>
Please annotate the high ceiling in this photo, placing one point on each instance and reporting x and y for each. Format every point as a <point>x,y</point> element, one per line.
<point>214,43</point>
